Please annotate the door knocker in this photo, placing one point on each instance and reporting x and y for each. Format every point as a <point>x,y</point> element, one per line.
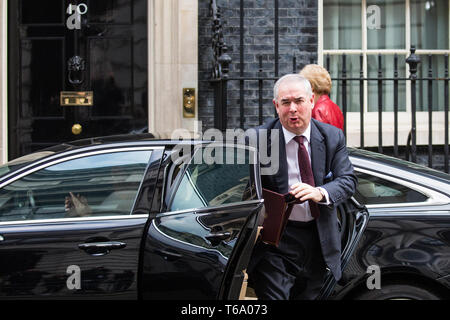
<point>76,66</point>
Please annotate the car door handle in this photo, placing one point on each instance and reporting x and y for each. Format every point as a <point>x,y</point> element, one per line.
<point>216,237</point>
<point>101,248</point>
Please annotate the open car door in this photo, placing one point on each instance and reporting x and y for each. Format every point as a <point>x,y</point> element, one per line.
<point>199,245</point>
<point>353,218</point>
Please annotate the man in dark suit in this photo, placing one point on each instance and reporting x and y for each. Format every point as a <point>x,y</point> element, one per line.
<point>310,244</point>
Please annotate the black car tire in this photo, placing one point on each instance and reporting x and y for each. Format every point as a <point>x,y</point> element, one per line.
<point>398,292</point>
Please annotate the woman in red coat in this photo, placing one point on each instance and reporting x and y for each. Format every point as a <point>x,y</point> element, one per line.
<point>324,109</point>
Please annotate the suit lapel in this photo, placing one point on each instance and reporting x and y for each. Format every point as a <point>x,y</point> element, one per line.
<point>318,154</point>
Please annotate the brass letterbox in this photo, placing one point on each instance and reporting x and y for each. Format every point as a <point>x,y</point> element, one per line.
<point>77,98</point>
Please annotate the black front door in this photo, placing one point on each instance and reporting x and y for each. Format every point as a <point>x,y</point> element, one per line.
<point>61,49</point>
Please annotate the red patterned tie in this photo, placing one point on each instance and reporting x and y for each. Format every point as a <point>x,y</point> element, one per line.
<point>306,172</point>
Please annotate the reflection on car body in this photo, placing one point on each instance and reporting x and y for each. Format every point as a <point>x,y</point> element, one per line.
<point>409,211</point>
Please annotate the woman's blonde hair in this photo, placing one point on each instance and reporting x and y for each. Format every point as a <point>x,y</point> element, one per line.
<point>319,78</point>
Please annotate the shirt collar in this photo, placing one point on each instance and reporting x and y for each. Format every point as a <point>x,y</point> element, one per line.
<point>288,136</point>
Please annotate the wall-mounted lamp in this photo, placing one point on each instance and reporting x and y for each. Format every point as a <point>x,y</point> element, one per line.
<point>188,102</point>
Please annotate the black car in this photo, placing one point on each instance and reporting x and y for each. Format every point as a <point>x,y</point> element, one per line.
<point>136,218</point>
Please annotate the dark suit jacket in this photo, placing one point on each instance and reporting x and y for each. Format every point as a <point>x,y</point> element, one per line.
<point>332,170</point>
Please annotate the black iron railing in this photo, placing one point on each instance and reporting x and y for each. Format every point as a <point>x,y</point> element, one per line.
<point>413,61</point>
<point>221,80</point>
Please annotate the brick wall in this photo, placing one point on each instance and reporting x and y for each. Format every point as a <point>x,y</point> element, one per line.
<point>297,36</point>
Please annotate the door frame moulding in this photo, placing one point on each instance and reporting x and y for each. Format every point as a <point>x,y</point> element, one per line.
<point>4,81</point>
<point>172,64</point>
<point>150,65</point>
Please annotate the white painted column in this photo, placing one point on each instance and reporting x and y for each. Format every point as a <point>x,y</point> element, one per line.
<point>173,65</point>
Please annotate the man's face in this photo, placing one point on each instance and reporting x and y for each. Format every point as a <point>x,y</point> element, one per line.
<point>294,107</point>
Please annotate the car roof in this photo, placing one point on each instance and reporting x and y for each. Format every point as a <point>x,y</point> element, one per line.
<point>117,141</point>
<point>124,138</point>
<point>395,163</point>
<point>91,144</point>
<point>149,139</point>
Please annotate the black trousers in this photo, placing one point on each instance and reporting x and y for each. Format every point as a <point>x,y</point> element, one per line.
<point>293,270</point>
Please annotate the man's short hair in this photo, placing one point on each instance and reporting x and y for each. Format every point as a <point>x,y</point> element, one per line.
<point>319,78</point>
<point>292,77</point>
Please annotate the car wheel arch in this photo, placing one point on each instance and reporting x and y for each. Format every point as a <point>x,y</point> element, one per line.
<point>411,278</point>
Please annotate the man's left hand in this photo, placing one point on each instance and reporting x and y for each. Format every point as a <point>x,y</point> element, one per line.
<point>306,192</point>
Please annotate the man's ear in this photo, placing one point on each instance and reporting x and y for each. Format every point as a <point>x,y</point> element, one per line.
<point>274,101</point>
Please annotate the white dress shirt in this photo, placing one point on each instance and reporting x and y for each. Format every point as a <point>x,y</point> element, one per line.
<point>300,212</point>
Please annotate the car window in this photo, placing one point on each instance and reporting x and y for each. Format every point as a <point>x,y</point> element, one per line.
<point>213,183</point>
<point>375,190</point>
<point>102,184</point>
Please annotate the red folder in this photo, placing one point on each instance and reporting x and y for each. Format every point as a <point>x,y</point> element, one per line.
<point>278,208</point>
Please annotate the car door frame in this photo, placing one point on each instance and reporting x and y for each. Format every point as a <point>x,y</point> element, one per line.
<point>360,218</point>
<point>233,276</point>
